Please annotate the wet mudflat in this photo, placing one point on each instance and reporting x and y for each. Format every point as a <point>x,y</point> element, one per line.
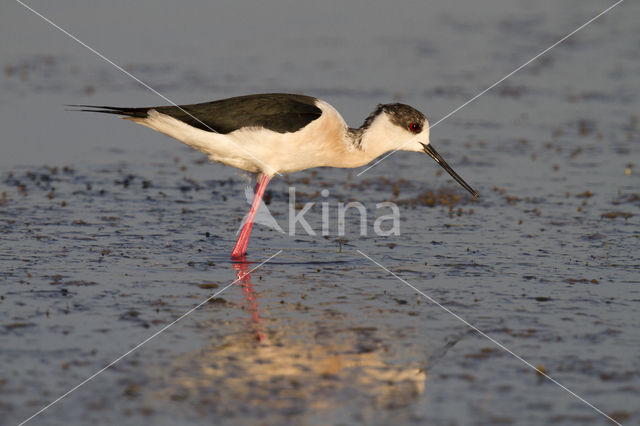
<point>106,244</point>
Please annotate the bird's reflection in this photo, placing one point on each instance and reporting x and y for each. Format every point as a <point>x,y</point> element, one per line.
<point>241,266</point>
<point>293,362</point>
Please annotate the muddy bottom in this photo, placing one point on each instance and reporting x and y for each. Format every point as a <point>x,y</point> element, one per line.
<point>98,259</point>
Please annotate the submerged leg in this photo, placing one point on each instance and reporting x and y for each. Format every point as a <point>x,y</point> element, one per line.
<point>243,239</point>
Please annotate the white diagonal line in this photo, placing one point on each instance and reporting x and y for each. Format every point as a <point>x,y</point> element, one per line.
<point>499,81</point>
<point>115,361</point>
<point>139,81</point>
<point>497,343</point>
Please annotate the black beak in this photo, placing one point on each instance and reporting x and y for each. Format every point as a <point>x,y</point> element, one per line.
<point>434,154</point>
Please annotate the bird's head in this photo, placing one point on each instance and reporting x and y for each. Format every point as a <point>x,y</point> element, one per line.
<point>396,127</point>
<point>400,127</point>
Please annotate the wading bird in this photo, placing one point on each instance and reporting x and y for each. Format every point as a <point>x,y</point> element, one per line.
<point>276,133</point>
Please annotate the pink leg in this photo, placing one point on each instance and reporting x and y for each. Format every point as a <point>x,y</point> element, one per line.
<point>240,249</point>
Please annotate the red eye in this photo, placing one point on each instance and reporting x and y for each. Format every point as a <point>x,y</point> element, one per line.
<point>414,127</point>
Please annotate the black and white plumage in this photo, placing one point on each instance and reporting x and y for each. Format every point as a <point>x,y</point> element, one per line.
<point>280,133</point>
<point>281,113</point>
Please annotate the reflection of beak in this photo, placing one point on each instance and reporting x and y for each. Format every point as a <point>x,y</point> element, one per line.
<point>434,154</point>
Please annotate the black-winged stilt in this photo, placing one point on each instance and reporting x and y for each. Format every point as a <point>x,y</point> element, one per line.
<point>275,133</point>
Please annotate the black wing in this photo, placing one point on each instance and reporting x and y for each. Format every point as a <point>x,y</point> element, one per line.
<point>279,112</point>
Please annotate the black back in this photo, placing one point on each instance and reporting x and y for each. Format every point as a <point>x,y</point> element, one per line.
<point>279,112</point>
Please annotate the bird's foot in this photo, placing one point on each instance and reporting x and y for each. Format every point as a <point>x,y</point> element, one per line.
<point>239,256</point>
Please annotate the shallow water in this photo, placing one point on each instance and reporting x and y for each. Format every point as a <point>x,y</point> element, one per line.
<point>110,232</point>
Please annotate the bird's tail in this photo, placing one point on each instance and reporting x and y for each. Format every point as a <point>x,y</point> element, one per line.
<point>126,111</point>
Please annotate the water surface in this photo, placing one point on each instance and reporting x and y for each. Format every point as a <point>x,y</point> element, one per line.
<point>110,231</point>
